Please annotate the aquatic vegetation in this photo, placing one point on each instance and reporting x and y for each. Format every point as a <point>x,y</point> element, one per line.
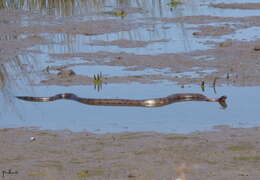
<point>98,81</point>
<point>120,14</point>
<point>98,78</point>
<point>174,3</point>
<point>83,174</point>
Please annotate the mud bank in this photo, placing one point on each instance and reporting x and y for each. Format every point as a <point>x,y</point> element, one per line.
<point>220,58</point>
<point>226,65</point>
<point>221,154</point>
<point>237,5</point>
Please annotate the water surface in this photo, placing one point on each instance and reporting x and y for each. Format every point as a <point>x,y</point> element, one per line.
<point>179,117</point>
<point>19,75</point>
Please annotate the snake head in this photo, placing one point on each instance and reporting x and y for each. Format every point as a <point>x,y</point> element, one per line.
<point>222,101</point>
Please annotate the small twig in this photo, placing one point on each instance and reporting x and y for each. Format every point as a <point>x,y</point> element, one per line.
<point>214,85</point>
<point>202,85</point>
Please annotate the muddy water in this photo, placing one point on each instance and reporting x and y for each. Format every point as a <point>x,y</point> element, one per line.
<point>152,31</point>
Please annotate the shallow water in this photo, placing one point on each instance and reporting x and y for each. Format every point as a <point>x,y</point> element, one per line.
<point>178,35</point>
<point>109,71</point>
<point>18,74</point>
<point>242,109</point>
<point>247,34</point>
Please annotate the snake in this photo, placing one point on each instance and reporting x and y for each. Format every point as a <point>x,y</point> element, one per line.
<point>152,102</point>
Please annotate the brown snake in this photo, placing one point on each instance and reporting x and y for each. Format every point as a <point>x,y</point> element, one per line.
<point>155,102</point>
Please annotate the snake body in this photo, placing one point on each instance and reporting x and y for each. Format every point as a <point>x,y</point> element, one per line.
<point>154,102</point>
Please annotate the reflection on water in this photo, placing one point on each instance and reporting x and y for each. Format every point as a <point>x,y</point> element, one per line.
<point>151,8</point>
<point>178,35</point>
<point>180,118</point>
<point>6,84</point>
<point>77,7</point>
<point>15,75</point>
<point>55,7</point>
<point>2,76</point>
<point>98,87</point>
<point>18,72</point>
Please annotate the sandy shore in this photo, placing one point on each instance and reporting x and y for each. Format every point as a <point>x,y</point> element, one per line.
<point>221,154</point>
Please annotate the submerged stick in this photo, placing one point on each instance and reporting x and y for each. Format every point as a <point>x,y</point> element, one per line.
<point>214,85</point>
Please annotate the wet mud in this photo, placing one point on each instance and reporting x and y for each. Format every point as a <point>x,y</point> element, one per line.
<point>224,152</point>
<point>237,5</point>
<point>242,69</point>
<point>229,68</point>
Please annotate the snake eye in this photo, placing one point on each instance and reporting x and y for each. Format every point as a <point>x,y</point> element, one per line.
<point>222,101</point>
